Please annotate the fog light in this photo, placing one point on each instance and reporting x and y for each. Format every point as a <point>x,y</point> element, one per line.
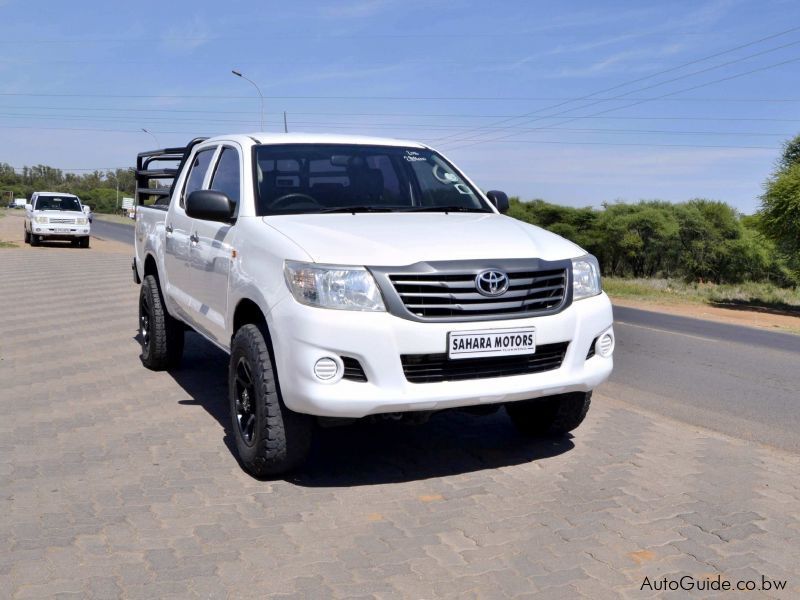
<point>605,345</point>
<point>326,369</point>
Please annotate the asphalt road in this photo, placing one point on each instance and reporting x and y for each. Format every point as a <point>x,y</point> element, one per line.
<point>117,232</point>
<point>737,380</point>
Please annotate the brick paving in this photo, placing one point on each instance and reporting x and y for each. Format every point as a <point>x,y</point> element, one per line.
<point>119,482</point>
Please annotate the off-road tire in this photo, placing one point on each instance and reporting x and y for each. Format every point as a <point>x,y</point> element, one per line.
<point>279,438</point>
<point>553,415</point>
<point>161,336</point>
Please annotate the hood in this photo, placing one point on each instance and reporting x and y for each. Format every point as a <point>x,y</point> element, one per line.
<point>393,239</point>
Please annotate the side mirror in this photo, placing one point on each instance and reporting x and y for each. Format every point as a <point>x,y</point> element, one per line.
<point>29,207</point>
<point>210,205</point>
<point>86,209</point>
<point>499,199</point>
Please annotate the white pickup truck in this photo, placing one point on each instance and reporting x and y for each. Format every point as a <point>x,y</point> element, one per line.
<point>349,277</point>
<point>56,216</point>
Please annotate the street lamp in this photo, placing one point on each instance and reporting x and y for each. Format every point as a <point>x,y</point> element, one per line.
<point>153,135</point>
<point>260,95</point>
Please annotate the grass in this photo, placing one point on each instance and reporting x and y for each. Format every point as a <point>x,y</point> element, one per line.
<point>4,244</point>
<point>744,295</point>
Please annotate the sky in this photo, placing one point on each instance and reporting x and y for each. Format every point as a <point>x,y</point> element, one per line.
<point>576,102</point>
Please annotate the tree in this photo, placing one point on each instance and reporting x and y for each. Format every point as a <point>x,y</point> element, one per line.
<point>791,153</point>
<point>780,213</point>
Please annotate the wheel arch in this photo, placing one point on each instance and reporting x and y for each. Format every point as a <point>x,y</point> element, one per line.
<point>248,312</point>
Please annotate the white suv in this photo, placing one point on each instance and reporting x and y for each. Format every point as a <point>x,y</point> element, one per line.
<point>56,216</point>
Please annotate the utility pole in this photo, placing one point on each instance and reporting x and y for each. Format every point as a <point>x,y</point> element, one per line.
<point>260,95</point>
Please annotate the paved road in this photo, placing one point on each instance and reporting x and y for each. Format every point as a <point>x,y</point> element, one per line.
<point>738,380</point>
<point>117,232</point>
<point>120,482</point>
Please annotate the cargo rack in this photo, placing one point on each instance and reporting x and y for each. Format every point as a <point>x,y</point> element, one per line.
<point>158,197</point>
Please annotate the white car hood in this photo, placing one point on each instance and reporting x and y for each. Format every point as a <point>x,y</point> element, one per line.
<point>392,239</point>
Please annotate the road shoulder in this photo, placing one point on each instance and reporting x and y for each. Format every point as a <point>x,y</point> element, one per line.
<point>750,317</point>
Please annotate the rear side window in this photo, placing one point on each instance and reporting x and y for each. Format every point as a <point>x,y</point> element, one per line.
<point>197,174</point>
<point>226,176</point>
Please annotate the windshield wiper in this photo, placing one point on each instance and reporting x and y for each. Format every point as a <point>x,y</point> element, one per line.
<point>452,208</point>
<point>356,209</point>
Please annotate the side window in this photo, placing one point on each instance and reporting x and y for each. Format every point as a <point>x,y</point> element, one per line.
<point>226,176</point>
<point>199,167</point>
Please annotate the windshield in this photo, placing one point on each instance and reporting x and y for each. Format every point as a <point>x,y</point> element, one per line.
<point>57,203</point>
<point>320,178</point>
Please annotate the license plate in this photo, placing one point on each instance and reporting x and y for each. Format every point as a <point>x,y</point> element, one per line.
<point>491,342</point>
<point>62,229</point>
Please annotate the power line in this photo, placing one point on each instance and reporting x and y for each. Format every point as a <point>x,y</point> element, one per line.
<point>407,114</point>
<point>643,144</point>
<point>394,126</point>
<point>728,78</point>
<point>658,84</point>
<point>398,98</point>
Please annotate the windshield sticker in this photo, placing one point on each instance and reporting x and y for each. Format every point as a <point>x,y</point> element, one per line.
<point>462,189</point>
<point>412,156</point>
<point>450,177</point>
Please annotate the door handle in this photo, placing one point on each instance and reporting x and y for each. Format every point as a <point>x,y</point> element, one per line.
<point>168,228</point>
<point>194,238</point>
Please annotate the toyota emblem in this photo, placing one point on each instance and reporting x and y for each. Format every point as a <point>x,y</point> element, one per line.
<point>491,283</point>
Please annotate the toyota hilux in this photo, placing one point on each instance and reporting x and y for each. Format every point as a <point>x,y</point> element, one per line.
<point>351,277</point>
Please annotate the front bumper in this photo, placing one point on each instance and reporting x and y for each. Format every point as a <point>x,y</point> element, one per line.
<point>301,335</point>
<point>60,232</point>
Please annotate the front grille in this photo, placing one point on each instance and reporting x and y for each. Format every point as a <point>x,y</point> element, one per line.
<point>431,368</point>
<point>62,221</point>
<point>439,295</point>
<point>353,369</point>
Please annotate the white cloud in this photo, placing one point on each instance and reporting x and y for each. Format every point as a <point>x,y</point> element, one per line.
<point>356,9</point>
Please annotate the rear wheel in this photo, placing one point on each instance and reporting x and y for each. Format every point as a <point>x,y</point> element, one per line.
<point>553,415</point>
<point>161,336</point>
<point>270,438</point>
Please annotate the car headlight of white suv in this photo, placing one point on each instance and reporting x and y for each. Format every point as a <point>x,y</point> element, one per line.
<point>333,286</point>
<point>585,277</point>
<point>81,221</point>
<point>40,219</point>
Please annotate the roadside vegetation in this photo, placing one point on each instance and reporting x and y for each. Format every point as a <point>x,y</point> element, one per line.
<point>695,251</point>
<point>752,294</point>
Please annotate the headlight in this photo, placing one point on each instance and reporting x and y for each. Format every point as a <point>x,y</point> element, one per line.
<point>40,219</point>
<point>585,277</point>
<point>342,288</point>
<point>81,221</point>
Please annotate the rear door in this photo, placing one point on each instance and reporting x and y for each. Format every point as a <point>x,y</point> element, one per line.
<point>211,249</point>
<point>178,245</point>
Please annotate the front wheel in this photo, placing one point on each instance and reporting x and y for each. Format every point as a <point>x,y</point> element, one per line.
<point>84,242</point>
<point>270,438</point>
<point>34,239</point>
<point>27,237</point>
<point>161,336</point>
<point>553,415</point>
